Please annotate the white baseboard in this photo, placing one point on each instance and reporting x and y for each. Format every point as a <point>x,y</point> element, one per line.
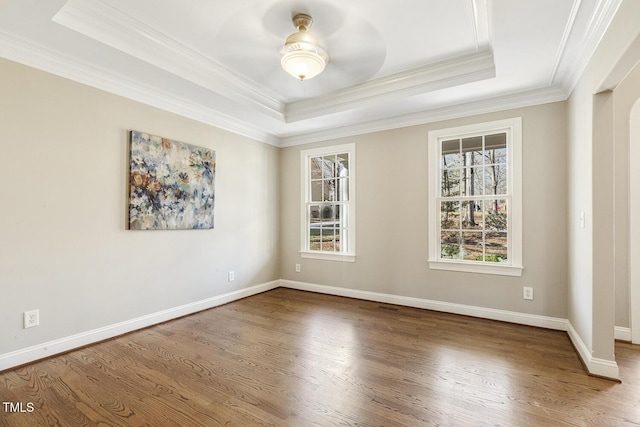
<point>595,366</point>
<point>40,351</point>
<point>622,333</point>
<point>466,310</point>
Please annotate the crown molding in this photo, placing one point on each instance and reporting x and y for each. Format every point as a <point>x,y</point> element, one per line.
<point>34,55</point>
<point>104,22</point>
<point>562,48</point>
<point>427,78</point>
<point>481,25</point>
<point>571,66</point>
<point>500,103</point>
<point>20,50</point>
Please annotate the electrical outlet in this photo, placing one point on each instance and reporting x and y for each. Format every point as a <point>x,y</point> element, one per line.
<point>31,318</point>
<point>232,276</point>
<point>297,268</point>
<point>527,292</point>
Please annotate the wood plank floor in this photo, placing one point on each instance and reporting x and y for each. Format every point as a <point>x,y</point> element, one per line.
<point>291,358</point>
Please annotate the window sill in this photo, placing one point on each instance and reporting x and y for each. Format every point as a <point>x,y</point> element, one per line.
<point>328,256</point>
<point>497,269</point>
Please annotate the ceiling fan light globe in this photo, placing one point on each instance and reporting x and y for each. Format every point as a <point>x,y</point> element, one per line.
<point>303,65</point>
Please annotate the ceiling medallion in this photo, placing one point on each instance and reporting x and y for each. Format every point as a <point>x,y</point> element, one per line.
<point>303,57</point>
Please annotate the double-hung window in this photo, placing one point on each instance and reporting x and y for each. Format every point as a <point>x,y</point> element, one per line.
<point>328,211</point>
<point>475,186</point>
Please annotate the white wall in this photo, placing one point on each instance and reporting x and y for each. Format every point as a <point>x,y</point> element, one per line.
<point>392,220</point>
<point>64,246</point>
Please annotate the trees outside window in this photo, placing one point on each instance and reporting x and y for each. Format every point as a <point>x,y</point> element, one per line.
<point>475,186</point>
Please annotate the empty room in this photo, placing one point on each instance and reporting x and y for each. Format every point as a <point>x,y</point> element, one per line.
<point>319,212</point>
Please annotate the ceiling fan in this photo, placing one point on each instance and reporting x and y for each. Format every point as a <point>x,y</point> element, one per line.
<point>303,57</point>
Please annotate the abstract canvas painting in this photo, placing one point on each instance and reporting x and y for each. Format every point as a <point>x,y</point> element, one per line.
<point>171,184</point>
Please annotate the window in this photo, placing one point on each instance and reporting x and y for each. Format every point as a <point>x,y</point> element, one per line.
<point>475,221</point>
<point>328,212</point>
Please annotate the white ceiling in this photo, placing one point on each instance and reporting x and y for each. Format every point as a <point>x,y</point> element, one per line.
<point>392,63</point>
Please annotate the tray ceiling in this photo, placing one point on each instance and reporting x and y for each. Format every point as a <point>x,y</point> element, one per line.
<point>391,63</point>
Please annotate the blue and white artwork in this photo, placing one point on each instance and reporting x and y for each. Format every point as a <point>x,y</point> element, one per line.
<point>171,184</point>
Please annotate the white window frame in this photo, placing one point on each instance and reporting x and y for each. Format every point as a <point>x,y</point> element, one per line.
<point>350,253</point>
<point>513,129</point>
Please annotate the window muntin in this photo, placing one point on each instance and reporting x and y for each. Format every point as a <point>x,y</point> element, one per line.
<point>328,227</point>
<point>475,192</point>
<point>474,222</point>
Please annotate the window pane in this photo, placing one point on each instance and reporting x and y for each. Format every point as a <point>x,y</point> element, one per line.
<point>314,237</point>
<point>327,213</point>
<point>342,215</point>
<point>495,179</point>
<point>450,182</point>
<point>449,244</point>
<point>450,154</point>
<point>330,190</point>
<point>496,215</point>
<point>344,240</point>
<point>496,246</point>
<point>472,246</point>
<point>342,190</point>
<point>495,148</point>
<point>330,166</point>
<point>316,191</point>
<point>314,213</point>
<point>343,165</point>
<point>450,215</point>
<point>472,150</point>
<point>472,181</point>
<point>472,217</point>
<point>315,166</point>
<point>328,238</point>
<point>472,144</point>
<point>337,239</point>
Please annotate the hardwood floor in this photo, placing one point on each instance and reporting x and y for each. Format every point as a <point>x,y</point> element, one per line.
<point>292,358</point>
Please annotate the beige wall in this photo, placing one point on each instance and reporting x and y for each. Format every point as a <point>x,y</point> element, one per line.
<point>65,250</point>
<point>64,247</point>
<point>625,95</point>
<point>392,217</point>
<point>591,293</point>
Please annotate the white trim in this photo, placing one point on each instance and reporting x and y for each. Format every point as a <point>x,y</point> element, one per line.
<point>560,53</point>
<point>595,366</point>
<point>446,307</point>
<point>17,49</point>
<point>328,256</point>
<point>621,333</point>
<point>634,227</point>
<point>50,348</point>
<point>493,268</point>
<point>604,368</point>
<point>432,115</point>
<point>513,129</point>
<point>481,24</point>
<point>105,22</point>
<point>571,67</point>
